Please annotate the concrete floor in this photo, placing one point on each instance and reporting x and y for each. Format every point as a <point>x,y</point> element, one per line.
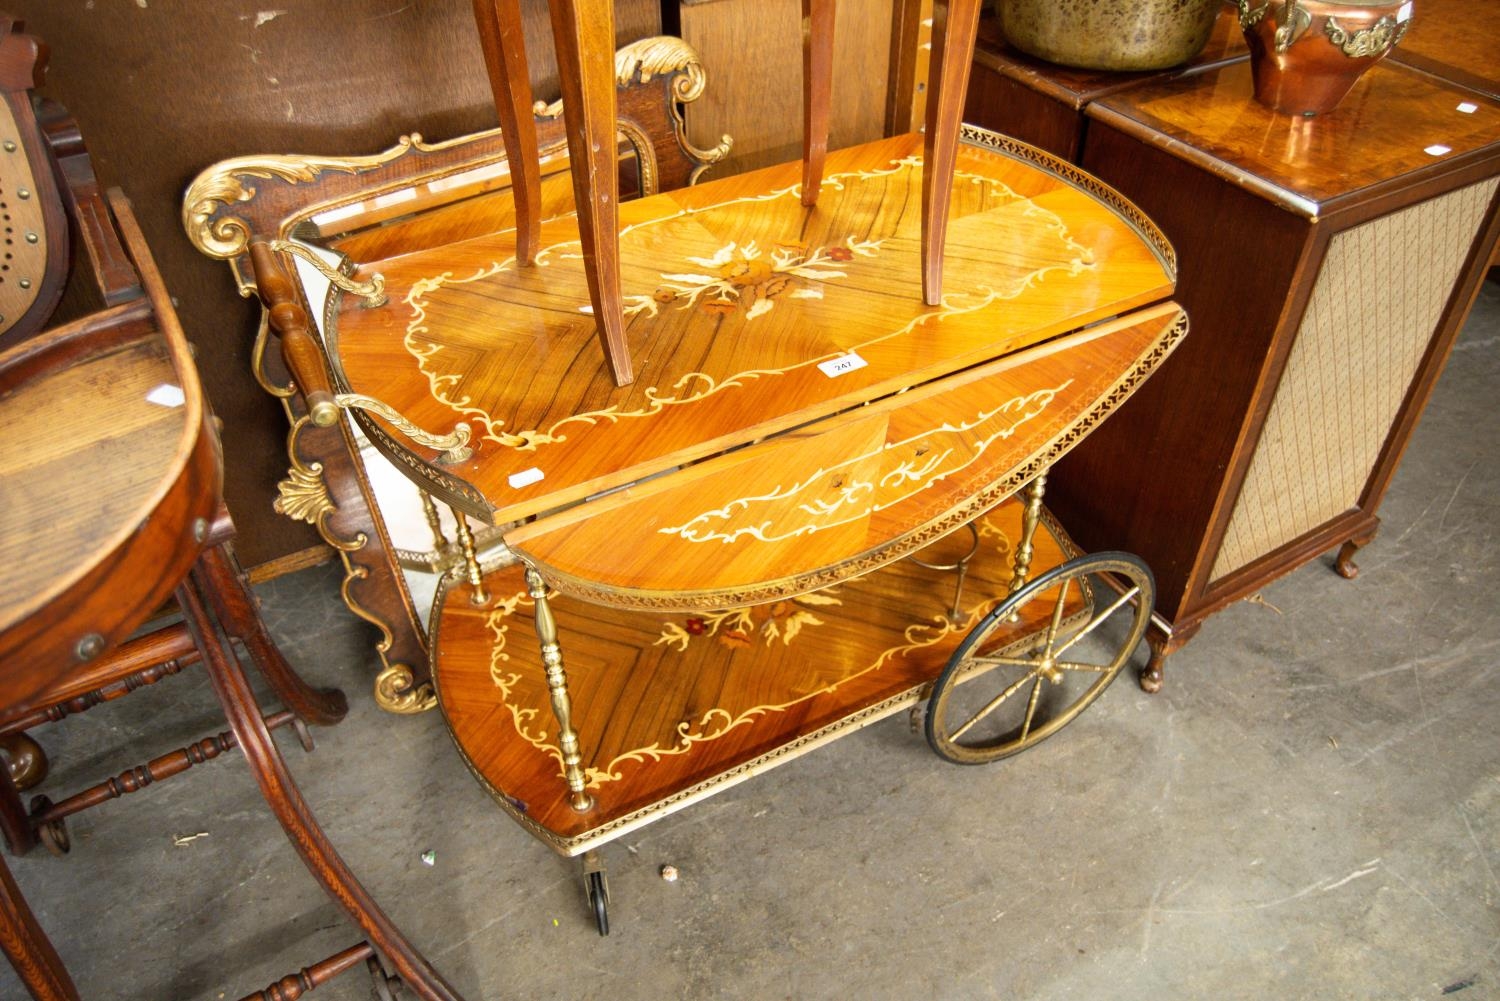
<point>1310,809</point>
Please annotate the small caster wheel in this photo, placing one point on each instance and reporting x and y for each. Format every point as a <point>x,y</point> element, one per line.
<point>599,900</point>
<point>53,834</point>
<point>1034,670</point>
<point>598,888</point>
<point>385,988</point>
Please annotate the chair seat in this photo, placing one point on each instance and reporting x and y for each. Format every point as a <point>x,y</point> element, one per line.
<point>105,456</point>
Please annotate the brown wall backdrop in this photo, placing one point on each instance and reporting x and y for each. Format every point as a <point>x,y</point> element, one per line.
<point>164,88</point>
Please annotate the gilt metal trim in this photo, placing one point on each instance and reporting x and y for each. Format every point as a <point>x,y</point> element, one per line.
<point>258,360</point>
<point>1376,40</point>
<point>372,291</point>
<point>454,446</point>
<point>1295,20</point>
<point>227,183</point>
<point>304,496</point>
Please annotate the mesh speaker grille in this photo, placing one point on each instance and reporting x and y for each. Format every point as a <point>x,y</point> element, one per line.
<point>1378,299</point>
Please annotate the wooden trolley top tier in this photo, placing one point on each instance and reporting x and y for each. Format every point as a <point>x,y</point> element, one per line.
<point>785,365</point>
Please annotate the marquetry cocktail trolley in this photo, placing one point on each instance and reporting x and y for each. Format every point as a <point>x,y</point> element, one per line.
<point>706,451</point>
<point>712,555</point>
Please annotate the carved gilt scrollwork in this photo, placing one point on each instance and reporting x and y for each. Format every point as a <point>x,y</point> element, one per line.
<point>206,215</point>
<point>396,693</point>
<point>662,55</point>
<point>304,496</point>
<point>228,182</point>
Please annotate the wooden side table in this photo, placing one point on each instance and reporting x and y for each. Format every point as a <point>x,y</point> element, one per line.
<point>1328,264</point>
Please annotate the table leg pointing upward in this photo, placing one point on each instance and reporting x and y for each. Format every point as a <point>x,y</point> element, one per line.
<point>953,34</point>
<point>817,89</point>
<point>583,32</point>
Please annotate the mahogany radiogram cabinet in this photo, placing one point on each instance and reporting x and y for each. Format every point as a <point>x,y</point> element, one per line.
<point>1328,263</point>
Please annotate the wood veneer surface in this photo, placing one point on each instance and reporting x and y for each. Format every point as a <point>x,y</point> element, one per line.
<point>85,451</point>
<point>838,497</point>
<point>735,291</point>
<point>1394,123</point>
<point>1455,39</point>
<point>666,703</point>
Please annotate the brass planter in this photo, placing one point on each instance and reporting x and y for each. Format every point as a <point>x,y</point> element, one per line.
<point>1110,34</point>
<point>1307,54</point>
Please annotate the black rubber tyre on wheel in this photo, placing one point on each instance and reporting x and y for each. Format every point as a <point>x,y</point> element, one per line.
<point>1027,687</point>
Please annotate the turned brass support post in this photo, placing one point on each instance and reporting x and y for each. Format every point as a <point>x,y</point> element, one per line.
<point>1031,515</point>
<point>434,522</point>
<point>557,686</point>
<point>477,594</point>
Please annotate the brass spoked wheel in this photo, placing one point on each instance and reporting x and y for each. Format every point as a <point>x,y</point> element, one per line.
<point>1037,660</point>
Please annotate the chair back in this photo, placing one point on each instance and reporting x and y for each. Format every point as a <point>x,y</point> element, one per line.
<point>33,224</point>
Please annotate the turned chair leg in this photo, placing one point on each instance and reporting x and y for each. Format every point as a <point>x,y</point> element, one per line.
<point>286,802</point>
<point>953,34</point>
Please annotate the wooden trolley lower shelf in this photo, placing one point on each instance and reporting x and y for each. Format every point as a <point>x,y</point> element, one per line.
<point>673,707</point>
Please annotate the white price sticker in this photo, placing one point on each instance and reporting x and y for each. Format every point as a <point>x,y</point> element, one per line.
<point>524,478</point>
<point>841,365</point>
<point>167,395</point>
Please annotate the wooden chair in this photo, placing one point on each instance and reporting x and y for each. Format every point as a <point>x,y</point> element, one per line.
<point>338,481</point>
<point>583,33</point>
<point>116,473</point>
<point>47,186</point>
<point>111,476</point>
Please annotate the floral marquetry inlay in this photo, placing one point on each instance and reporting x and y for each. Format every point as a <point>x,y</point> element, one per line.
<point>892,474</point>
<point>749,279</point>
<point>798,622</point>
<point>805,287</point>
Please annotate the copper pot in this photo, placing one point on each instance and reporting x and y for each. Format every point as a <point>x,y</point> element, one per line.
<point>1110,34</point>
<point>1306,54</point>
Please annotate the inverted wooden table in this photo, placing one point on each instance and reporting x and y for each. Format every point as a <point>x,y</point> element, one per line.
<point>798,419</point>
